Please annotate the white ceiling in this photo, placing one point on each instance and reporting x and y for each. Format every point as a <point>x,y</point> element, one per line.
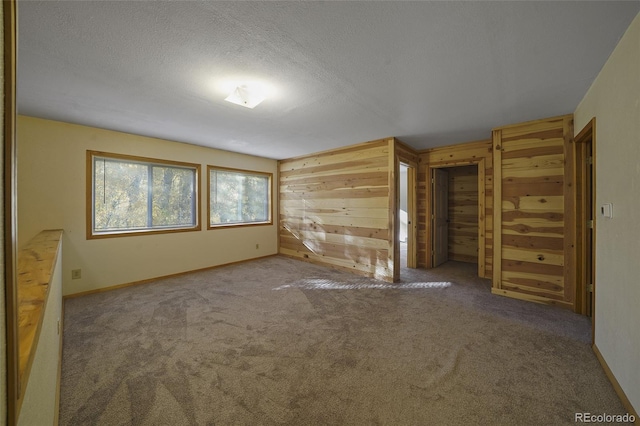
<point>429,73</point>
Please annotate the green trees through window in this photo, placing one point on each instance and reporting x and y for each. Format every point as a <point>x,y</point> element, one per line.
<point>129,195</point>
<point>133,194</point>
<point>238,197</point>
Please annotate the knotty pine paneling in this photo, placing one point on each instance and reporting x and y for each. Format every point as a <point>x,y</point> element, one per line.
<point>534,211</point>
<point>473,153</point>
<point>335,208</point>
<point>463,213</point>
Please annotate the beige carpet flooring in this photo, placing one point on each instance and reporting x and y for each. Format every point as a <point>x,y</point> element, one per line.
<point>278,341</point>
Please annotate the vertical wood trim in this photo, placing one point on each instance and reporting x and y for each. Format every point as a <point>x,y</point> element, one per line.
<point>429,220</point>
<point>412,206</point>
<point>273,201</point>
<point>588,133</point>
<point>497,209</point>
<point>394,228</point>
<point>10,208</point>
<point>452,156</point>
<point>207,177</point>
<point>581,140</point>
<point>407,155</point>
<point>595,234</point>
<point>89,195</point>
<point>276,208</point>
<point>569,211</point>
<point>580,159</point>
<point>481,218</point>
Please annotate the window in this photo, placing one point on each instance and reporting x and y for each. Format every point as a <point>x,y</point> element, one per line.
<point>135,195</point>
<point>238,197</point>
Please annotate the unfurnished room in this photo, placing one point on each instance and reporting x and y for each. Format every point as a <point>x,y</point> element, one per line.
<point>320,213</point>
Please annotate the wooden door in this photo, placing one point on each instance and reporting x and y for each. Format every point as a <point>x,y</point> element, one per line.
<point>589,230</point>
<point>585,200</point>
<point>412,215</point>
<point>440,216</point>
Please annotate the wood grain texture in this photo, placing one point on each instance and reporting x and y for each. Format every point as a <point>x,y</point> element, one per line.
<point>393,254</point>
<point>584,189</point>
<point>337,208</point>
<point>533,211</point>
<point>463,214</point>
<point>497,210</point>
<point>11,357</point>
<point>35,269</point>
<point>530,297</point>
<point>478,154</point>
<point>570,233</point>
<point>409,157</point>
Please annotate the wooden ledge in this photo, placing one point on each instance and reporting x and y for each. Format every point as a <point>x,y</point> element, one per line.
<point>36,262</point>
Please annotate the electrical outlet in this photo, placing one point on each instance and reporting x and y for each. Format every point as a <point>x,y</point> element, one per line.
<point>76,274</point>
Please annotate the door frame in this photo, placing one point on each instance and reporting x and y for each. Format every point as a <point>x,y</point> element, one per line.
<point>401,153</point>
<point>412,214</point>
<point>437,256</point>
<point>583,138</point>
<point>10,194</point>
<point>481,164</point>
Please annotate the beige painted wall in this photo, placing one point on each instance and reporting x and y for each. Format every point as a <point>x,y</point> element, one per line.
<point>39,405</point>
<point>614,99</point>
<point>51,195</point>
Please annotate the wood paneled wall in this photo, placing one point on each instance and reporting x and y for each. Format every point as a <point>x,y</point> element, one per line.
<point>534,211</point>
<point>472,153</point>
<point>463,213</point>
<point>337,208</point>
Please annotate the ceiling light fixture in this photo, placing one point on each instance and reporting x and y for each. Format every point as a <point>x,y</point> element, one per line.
<point>245,96</point>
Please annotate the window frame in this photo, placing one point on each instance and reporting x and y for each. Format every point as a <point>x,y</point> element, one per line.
<point>90,186</point>
<point>269,175</point>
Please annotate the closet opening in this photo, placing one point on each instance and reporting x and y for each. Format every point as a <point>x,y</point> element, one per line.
<point>455,214</point>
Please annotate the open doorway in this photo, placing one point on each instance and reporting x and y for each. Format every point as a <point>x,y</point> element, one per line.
<point>585,221</point>
<point>455,214</point>
<point>407,216</point>
<point>403,238</point>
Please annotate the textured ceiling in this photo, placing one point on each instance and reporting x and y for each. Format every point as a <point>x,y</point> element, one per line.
<point>429,73</point>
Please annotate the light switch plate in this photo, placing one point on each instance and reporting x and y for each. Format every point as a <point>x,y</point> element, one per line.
<point>607,210</point>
